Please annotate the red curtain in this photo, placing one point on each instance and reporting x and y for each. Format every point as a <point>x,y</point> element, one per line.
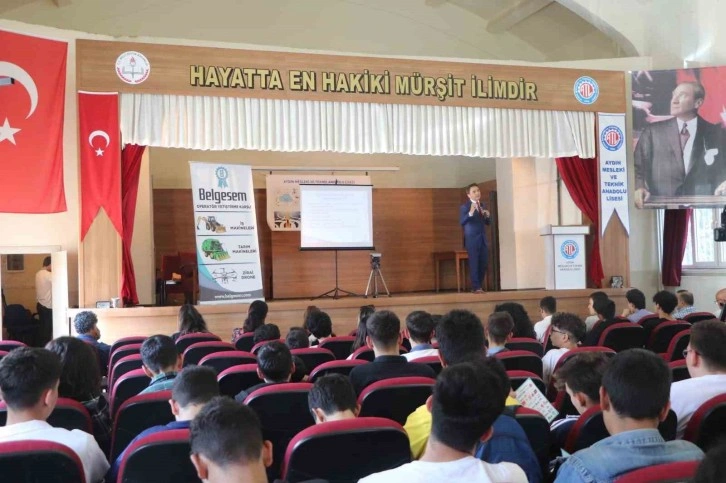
<point>130,171</point>
<point>580,178</point>
<point>675,235</point>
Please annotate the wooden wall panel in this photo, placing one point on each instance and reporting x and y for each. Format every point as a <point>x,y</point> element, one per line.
<point>101,262</point>
<point>615,252</point>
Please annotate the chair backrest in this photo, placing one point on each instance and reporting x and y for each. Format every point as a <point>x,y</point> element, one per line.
<point>669,426</point>
<point>335,367</point>
<point>313,356</point>
<point>383,442</point>
<point>517,378</point>
<point>127,386</point>
<point>699,317</point>
<point>3,354</point>
<point>137,414</point>
<point>649,322</point>
<point>537,429</point>
<point>546,342</point>
<point>122,352</point>
<point>68,414</point>
<point>587,430</point>
<point>245,342</point>
<point>340,346</point>
<point>8,345</point>
<point>707,426</point>
<point>395,398</point>
<point>219,361</point>
<point>521,361</point>
<point>364,353</point>
<point>184,341</point>
<point>432,361</point>
<point>662,335</point>
<point>678,472</point>
<point>197,351</point>
<point>236,378</point>
<point>678,344</point>
<point>525,344</point>
<point>679,370</point>
<point>40,461</point>
<point>161,457</point>
<point>283,411</point>
<point>622,336</point>
<point>137,339</point>
<point>256,348</point>
<point>124,365</point>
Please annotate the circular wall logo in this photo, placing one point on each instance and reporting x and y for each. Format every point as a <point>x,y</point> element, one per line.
<point>132,67</point>
<point>586,90</point>
<point>612,138</point>
<point>569,249</point>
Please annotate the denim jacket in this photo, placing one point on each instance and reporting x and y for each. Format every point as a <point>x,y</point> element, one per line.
<point>610,458</point>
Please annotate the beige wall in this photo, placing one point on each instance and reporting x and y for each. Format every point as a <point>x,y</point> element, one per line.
<point>19,287</point>
<point>142,245</point>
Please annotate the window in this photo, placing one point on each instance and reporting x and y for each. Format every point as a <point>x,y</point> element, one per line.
<point>701,250</point>
<point>15,263</point>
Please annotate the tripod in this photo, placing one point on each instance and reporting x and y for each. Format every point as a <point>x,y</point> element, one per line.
<point>336,291</point>
<point>373,277</point>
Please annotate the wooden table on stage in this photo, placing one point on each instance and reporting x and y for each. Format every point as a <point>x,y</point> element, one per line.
<point>458,256</point>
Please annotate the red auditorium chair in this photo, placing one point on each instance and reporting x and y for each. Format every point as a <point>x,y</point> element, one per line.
<point>124,365</point>
<point>383,442</point>
<point>236,378</point>
<point>137,339</point>
<point>3,354</point>
<point>587,430</point>
<point>184,341</point>
<point>551,391</point>
<point>40,461</point>
<point>696,317</point>
<point>366,353</point>
<point>521,361</point>
<point>122,352</point>
<point>650,322</point>
<point>283,411</point>
<point>517,378</point>
<point>195,352</point>
<point>8,345</point>
<point>159,458</point>
<point>256,348</point>
<point>681,471</point>
<point>662,335</point>
<point>340,346</point>
<point>707,426</point>
<point>334,367</point>
<point>395,398</point>
<point>537,429</point>
<point>622,336</point>
<point>245,343</point>
<point>127,386</point>
<point>136,415</point>
<point>679,370</point>
<point>525,344</point>
<point>219,361</point>
<point>68,414</point>
<point>313,356</point>
<point>678,344</point>
<point>432,361</point>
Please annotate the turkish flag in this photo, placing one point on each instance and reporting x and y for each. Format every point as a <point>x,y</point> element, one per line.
<point>32,96</point>
<point>100,148</point>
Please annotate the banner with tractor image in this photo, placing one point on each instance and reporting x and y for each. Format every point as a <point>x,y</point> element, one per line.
<point>225,227</point>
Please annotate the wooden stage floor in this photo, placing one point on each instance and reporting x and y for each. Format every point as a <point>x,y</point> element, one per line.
<point>221,319</point>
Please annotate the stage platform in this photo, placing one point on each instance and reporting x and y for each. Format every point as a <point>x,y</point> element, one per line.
<point>221,319</point>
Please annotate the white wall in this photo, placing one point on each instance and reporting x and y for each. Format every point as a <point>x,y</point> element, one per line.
<point>142,245</point>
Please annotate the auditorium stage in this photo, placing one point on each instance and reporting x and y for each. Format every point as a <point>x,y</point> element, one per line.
<point>221,319</point>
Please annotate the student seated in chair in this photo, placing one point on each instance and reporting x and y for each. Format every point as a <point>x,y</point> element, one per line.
<point>498,332</point>
<point>86,325</point>
<point>420,329</point>
<point>274,366</point>
<point>332,398</point>
<point>161,362</point>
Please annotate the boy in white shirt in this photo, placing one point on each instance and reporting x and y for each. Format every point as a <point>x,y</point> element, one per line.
<point>466,401</point>
<point>547,308</point>
<point>29,379</point>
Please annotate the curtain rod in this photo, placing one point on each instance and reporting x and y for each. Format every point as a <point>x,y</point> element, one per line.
<point>324,168</point>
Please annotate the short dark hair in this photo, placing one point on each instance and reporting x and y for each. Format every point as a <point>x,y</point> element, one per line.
<point>364,312</point>
<point>319,324</point>
<point>548,304</point>
<point>638,384</point>
<point>570,323</point>
<point>466,401</point>
<point>420,326</point>
<point>25,373</point>
<point>332,393</point>
<point>598,294</point>
<point>713,467</point>
<point>468,188</point>
<point>583,373</point>
<point>685,296</point>
<point>498,369</point>
<point>46,261</point>
<point>159,352</point>
<point>708,339</point>
<point>297,338</point>
<point>301,370</point>
<point>635,297</point>
<point>383,328</point>
<point>499,326</point>
<point>605,308</point>
<point>275,361</point>
<point>84,322</point>
<point>190,321</point>
<point>460,334</point>
<point>256,315</point>
<point>195,385</point>
<point>667,301</point>
<point>226,432</point>
<point>266,332</point>
<point>80,377</point>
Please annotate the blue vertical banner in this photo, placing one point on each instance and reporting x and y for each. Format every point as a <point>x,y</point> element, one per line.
<point>613,170</point>
<point>225,224</point>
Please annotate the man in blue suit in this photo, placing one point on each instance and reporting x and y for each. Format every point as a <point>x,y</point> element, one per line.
<point>473,217</point>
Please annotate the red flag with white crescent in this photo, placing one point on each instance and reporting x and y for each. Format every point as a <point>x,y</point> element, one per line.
<point>100,150</point>
<point>32,98</point>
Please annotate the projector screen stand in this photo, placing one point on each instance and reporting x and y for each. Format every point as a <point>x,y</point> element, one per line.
<point>336,292</point>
